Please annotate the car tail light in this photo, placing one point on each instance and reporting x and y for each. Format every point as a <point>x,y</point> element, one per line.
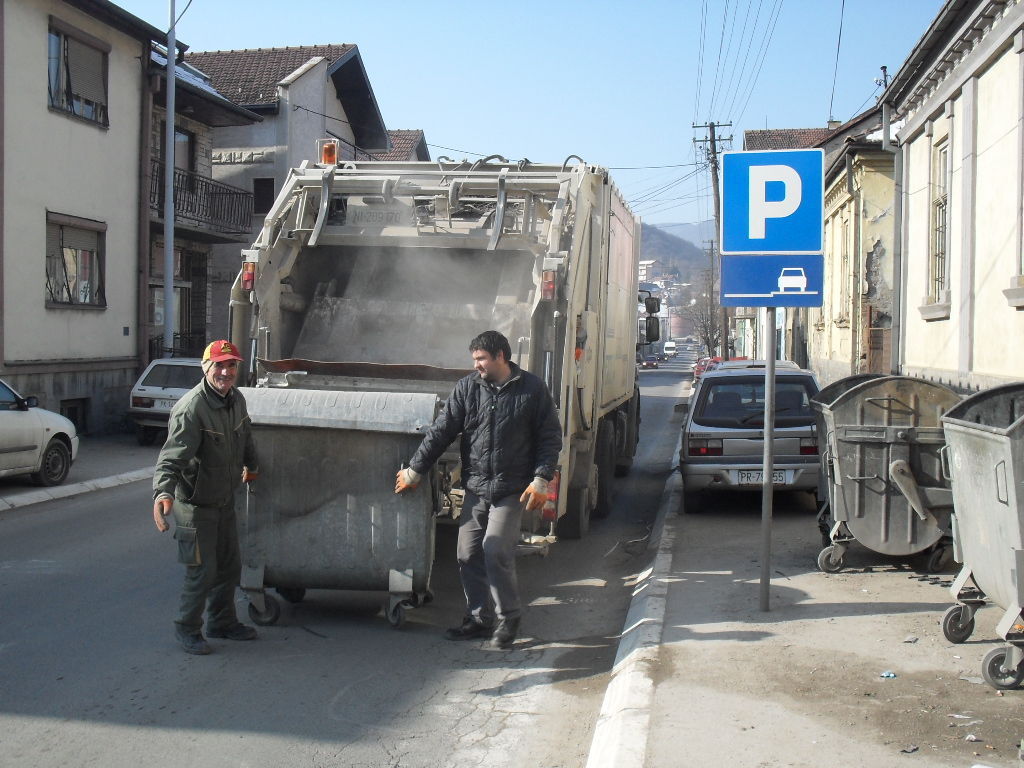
<point>142,402</point>
<point>701,447</point>
<point>808,446</point>
<point>549,512</point>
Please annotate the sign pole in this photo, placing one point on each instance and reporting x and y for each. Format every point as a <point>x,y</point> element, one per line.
<point>767,486</point>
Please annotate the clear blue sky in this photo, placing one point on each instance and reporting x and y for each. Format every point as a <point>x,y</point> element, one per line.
<point>619,84</point>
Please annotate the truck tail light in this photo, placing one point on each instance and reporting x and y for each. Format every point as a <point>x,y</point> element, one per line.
<point>700,447</point>
<point>329,153</point>
<point>142,402</point>
<point>248,275</point>
<point>549,512</point>
<point>547,286</point>
<point>808,446</point>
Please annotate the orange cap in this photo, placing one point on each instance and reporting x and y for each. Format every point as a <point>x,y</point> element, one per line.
<point>218,351</point>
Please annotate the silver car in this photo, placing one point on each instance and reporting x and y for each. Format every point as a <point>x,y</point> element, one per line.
<point>34,441</point>
<point>159,387</point>
<point>723,432</point>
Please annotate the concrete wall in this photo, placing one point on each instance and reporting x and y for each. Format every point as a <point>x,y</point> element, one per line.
<point>54,162</point>
<point>978,103</point>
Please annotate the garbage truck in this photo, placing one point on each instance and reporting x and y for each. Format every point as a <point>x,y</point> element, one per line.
<point>357,303</point>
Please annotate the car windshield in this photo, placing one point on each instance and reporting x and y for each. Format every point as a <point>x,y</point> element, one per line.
<point>173,376</point>
<point>739,402</point>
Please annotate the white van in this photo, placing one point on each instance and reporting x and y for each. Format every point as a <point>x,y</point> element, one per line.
<point>670,349</point>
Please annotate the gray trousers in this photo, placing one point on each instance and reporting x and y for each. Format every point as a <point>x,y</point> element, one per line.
<point>208,547</point>
<point>488,534</point>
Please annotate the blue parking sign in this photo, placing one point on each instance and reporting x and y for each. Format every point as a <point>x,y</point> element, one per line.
<point>773,202</point>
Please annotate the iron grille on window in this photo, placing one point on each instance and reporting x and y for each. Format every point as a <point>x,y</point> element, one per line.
<point>74,266</point>
<point>77,77</point>
<point>940,203</point>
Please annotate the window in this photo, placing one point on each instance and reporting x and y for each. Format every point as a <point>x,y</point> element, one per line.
<point>77,73</point>
<point>937,278</point>
<point>75,261</point>
<point>845,276</point>
<point>262,195</point>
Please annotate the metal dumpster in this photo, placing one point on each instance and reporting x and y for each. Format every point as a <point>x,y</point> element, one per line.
<point>826,396</point>
<point>322,514</point>
<point>985,435</point>
<point>887,489</point>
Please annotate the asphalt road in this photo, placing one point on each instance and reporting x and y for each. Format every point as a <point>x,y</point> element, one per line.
<point>91,675</point>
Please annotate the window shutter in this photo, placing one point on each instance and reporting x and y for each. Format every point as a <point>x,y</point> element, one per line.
<point>85,68</point>
<point>80,239</point>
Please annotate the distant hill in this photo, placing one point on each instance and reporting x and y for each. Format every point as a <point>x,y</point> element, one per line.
<point>675,253</point>
<point>697,233</point>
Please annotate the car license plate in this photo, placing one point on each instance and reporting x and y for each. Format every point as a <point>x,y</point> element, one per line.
<point>165,404</point>
<point>755,477</point>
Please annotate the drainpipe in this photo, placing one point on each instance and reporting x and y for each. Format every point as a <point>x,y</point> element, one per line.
<point>856,323</point>
<point>896,335</point>
<point>142,237</point>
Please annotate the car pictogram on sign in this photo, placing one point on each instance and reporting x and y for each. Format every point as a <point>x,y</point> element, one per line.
<point>792,279</point>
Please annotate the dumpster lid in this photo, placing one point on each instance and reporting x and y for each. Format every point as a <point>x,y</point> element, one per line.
<point>999,409</point>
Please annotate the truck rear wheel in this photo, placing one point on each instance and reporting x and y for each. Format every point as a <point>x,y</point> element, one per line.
<point>605,460</point>
<point>575,523</point>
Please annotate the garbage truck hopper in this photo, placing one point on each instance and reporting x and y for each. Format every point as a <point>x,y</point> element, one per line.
<point>371,278</point>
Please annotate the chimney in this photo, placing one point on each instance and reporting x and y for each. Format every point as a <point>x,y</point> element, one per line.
<point>833,124</point>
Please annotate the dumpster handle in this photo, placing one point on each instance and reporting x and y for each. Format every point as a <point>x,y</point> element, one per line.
<point>1000,470</point>
<point>864,477</point>
<point>944,462</point>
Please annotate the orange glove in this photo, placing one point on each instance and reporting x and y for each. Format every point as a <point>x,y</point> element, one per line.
<point>406,479</point>
<point>161,509</point>
<point>247,476</point>
<point>536,494</point>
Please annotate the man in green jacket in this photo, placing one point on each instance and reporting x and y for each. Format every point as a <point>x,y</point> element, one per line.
<point>208,453</point>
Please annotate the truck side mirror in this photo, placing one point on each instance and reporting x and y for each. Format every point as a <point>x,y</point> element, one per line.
<point>653,306</point>
<point>652,328</point>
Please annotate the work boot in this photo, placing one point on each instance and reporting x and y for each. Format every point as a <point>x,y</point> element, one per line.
<point>236,631</point>
<point>193,642</point>
<point>471,629</point>
<point>505,633</point>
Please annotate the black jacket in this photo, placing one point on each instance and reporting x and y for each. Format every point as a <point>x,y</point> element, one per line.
<point>509,434</point>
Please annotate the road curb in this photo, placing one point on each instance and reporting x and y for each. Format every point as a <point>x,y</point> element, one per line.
<point>621,732</point>
<point>75,489</point>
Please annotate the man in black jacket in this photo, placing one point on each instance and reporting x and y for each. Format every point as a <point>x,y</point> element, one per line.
<point>510,441</point>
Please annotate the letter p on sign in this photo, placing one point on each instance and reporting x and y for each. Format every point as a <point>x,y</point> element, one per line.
<point>761,208</point>
<point>773,202</point>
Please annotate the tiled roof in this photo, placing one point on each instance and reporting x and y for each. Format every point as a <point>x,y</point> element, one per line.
<point>403,145</point>
<point>250,77</point>
<point>783,138</point>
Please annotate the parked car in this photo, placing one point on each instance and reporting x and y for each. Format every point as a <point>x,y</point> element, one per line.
<point>723,441</point>
<point>159,387</point>
<point>34,441</point>
<point>703,364</point>
<point>651,361</point>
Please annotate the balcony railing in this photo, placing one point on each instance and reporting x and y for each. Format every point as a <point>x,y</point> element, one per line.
<point>201,201</point>
<point>185,345</point>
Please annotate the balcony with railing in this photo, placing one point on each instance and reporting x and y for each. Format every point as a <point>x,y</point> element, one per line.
<point>221,212</point>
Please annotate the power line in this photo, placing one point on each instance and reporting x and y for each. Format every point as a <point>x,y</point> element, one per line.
<point>835,71</point>
<point>740,83</point>
<point>766,43</point>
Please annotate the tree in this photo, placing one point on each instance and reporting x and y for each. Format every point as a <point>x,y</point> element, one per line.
<point>702,313</point>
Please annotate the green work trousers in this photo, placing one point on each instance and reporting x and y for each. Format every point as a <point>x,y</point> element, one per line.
<point>208,547</point>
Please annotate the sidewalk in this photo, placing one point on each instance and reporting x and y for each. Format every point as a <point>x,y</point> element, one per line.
<point>848,668</point>
<point>103,462</point>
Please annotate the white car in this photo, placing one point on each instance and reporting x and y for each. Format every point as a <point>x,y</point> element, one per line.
<point>159,387</point>
<point>34,441</point>
<point>792,278</point>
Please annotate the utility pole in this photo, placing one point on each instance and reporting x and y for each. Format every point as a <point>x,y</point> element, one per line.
<point>713,163</point>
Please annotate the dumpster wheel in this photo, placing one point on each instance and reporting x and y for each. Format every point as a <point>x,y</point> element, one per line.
<point>996,675</point>
<point>267,617</point>
<point>395,611</point>
<point>830,559</point>
<point>957,623</point>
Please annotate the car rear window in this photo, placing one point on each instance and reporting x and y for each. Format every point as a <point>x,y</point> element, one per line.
<point>739,402</point>
<point>173,376</point>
